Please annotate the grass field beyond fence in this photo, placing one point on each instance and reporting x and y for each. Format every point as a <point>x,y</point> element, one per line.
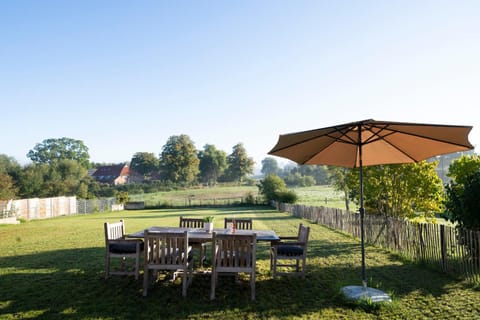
<point>311,196</point>
<point>54,269</point>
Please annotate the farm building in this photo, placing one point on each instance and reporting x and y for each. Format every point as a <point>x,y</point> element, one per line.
<point>116,174</point>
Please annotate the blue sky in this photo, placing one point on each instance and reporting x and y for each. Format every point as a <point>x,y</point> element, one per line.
<point>123,76</point>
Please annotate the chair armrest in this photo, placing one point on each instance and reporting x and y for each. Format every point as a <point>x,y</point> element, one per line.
<point>293,243</point>
<point>288,238</point>
<point>125,241</point>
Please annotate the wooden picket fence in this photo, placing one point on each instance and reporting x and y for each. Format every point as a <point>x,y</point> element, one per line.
<point>445,248</point>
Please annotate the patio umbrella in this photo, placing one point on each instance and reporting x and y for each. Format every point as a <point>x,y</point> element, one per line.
<point>368,143</point>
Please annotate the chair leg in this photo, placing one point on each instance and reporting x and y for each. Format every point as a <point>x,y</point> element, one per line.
<point>107,266</point>
<point>200,258</point>
<point>212,285</point>
<point>137,265</point>
<point>252,284</point>
<point>274,267</point>
<point>145,282</point>
<point>184,283</point>
<point>304,265</point>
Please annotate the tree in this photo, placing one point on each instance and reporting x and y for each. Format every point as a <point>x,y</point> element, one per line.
<point>144,163</point>
<point>239,164</point>
<point>212,163</point>
<point>461,169</point>
<point>8,164</point>
<point>9,172</point>
<point>179,161</point>
<point>270,166</point>
<point>339,176</point>
<point>7,188</point>
<point>272,187</point>
<point>51,150</point>
<point>401,190</point>
<point>64,178</point>
<point>31,180</point>
<point>461,204</point>
<point>61,178</point>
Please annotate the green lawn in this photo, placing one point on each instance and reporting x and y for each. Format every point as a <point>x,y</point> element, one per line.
<point>54,269</point>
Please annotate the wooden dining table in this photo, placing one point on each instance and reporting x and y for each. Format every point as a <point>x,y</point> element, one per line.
<point>199,234</point>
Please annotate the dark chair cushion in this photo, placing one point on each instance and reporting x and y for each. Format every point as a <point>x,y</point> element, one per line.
<point>289,250</point>
<point>125,247</point>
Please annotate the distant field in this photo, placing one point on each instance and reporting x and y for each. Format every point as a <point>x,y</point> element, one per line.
<point>197,196</point>
<point>322,196</point>
<point>313,196</point>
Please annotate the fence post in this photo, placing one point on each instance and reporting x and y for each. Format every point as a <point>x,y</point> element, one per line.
<point>443,247</point>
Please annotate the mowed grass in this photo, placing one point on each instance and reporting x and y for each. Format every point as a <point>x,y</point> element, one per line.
<point>54,269</point>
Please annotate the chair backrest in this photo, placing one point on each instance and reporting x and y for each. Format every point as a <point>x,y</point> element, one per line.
<point>114,231</point>
<point>191,223</point>
<point>303,233</point>
<point>240,224</point>
<point>234,252</point>
<point>166,250</point>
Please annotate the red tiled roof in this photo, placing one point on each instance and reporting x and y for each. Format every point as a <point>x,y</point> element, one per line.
<point>113,170</point>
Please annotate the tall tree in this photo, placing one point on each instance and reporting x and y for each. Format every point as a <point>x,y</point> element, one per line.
<point>339,177</point>
<point>270,166</point>
<point>32,179</point>
<point>401,190</point>
<point>212,163</point>
<point>9,177</point>
<point>239,164</point>
<point>8,164</point>
<point>7,187</point>
<point>461,169</point>
<point>462,205</point>
<point>51,150</point>
<point>64,179</point>
<point>179,161</point>
<point>145,163</point>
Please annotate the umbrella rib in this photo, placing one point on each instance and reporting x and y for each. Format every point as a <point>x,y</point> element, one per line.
<point>376,137</point>
<point>335,139</point>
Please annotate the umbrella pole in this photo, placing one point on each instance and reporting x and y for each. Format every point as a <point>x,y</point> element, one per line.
<point>362,209</point>
<point>362,229</point>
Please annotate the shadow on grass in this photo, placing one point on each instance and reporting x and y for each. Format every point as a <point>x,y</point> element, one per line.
<point>69,284</point>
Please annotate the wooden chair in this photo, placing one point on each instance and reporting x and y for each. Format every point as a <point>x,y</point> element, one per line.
<point>288,249</point>
<point>199,245</point>
<point>167,251</point>
<point>118,247</point>
<point>233,253</point>
<point>240,224</point>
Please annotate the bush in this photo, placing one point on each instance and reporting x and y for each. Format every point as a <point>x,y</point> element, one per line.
<point>122,197</point>
<point>270,186</point>
<point>250,198</point>
<point>287,196</point>
<point>274,188</point>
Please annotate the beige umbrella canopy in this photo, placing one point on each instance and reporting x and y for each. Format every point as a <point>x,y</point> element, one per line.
<point>380,142</point>
<point>367,143</point>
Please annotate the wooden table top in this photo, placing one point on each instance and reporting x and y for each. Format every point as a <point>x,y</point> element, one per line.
<point>201,234</point>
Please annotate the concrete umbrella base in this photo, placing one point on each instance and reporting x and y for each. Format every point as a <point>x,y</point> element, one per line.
<point>358,293</point>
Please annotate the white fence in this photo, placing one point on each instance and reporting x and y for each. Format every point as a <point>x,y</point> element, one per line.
<point>37,208</point>
<point>42,208</point>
